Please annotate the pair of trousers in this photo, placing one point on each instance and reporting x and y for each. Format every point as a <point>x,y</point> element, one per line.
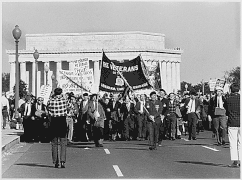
<point>97,134</point>
<point>128,128</point>
<point>172,125</point>
<point>4,117</point>
<point>70,124</point>
<point>153,128</point>
<point>192,124</point>
<point>179,126</point>
<point>141,126</point>
<point>220,125</point>
<point>55,155</point>
<point>234,142</point>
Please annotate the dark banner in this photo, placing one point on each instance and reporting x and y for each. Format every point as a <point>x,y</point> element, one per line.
<point>111,81</point>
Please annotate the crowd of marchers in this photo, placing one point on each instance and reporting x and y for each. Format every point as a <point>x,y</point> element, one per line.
<point>113,117</point>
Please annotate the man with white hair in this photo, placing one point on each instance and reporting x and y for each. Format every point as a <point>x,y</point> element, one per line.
<point>217,111</point>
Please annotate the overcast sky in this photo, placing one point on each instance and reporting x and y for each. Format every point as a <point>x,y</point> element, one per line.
<point>208,32</point>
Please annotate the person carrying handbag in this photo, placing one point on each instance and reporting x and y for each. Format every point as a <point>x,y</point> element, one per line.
<point>217,112</point>
<point>97,115</point>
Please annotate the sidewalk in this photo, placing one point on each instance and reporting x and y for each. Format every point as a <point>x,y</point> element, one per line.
<point>10,137</point>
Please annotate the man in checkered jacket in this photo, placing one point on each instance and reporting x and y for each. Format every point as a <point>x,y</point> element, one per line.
<point>57,108</point>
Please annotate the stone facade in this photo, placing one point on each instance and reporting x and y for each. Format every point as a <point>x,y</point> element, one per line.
<point>58,51</point>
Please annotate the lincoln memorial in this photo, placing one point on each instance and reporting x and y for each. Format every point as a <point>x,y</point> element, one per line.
<point>58,51</point>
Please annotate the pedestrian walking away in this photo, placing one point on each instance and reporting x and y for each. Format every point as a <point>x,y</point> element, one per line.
<point>57,108</point>
<point>233,112</point>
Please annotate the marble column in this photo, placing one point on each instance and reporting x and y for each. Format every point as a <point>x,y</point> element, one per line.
<point>34,77</point>
<point>164,78</point>
<point>46,80</point>
<point>38,83</point>
<point>173,77</point>
<point>12,75</point>
<point>178,76</point>
<point>58,67</point>
<point>96,72</point>
<point>71,65</point>
<point>169,80</point>
<point>23,71</point>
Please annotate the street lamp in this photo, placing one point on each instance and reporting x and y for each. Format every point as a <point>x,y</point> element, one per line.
<point>46,71</point>
<point>16,34</point>
<point>36,57</point>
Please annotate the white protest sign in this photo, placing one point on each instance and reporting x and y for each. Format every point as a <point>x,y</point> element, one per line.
<point>45,92</point>
<point>212,83</point>
<point>70,81</point>
<point>81,65</point>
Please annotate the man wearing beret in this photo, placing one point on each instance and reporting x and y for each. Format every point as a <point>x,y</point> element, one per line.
<point>192,106</point>
<point>154,110</point>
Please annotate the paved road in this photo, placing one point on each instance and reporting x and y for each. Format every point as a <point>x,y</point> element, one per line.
<point>175,159</point>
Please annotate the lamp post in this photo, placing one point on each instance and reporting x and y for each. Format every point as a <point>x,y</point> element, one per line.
<point>36,57</point>
<point>46,71</point>
<point>16,34</point>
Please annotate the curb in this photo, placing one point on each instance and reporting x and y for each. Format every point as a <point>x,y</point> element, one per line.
<point>11,144</point>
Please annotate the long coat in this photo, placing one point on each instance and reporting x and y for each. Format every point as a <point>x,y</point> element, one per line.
<point>100,121</point>
<point>83,112</point>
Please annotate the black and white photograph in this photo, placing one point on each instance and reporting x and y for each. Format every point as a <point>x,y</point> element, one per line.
<point>120,89</point>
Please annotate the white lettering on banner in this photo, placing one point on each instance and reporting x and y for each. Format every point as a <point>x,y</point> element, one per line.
<point>121,68</point>
<point>140,86</point>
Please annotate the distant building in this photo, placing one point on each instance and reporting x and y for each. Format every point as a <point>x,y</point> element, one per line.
<point>59,51</point>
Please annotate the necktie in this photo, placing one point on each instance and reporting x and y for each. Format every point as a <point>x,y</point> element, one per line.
<point>141,106</point>
<point>191,106</point>
<point>27,109</point>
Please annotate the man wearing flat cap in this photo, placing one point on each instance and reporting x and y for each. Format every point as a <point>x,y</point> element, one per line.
<point>217,112</point>
<point>192,106</point>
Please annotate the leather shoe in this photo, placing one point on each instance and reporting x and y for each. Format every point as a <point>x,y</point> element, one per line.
<point>194,138</point>
<point>62,165</point>
<point>234,165</point>
<point>189,138</point>
<point>56,165</point>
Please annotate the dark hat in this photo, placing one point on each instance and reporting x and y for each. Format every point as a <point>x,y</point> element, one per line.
<point>153,92</point>
<point>193,92</point>
<point>93,95</point>
<point>163,90</point>
<point>58,91</point>
<point>85,94</point>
